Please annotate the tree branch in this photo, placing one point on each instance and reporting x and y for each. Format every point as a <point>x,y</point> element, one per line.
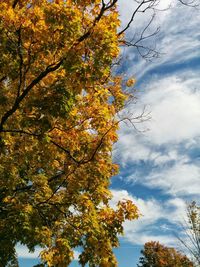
<point>15,3</point>
<point>135,12</point>
<point>16,105</point>
<point>97,19</point>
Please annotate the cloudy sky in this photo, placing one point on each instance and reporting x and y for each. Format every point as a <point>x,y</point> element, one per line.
<point>159,160</point>
<point>160,168</point>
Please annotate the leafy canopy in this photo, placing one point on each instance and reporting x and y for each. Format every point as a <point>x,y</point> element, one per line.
<point>156,255</point>
<point>58,123</point>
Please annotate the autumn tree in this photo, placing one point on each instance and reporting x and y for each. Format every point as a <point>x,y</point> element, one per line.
<point>191,232</point>
<point>156,255</point>
<point>58,104</point>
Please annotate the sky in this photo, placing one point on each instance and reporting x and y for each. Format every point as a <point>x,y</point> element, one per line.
<point>159,157</point>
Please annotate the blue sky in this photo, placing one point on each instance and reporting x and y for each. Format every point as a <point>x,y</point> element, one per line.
<point>159,161</point>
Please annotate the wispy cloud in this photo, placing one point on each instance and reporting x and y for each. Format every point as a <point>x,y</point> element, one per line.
<point>171,145</point>
<point>158,221</point>
<point>179,180</point>
<point>175,108</point>
<point>178,41</point>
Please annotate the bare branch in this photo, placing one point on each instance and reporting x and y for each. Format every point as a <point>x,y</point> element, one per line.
<point>145,50</point>
<point>191,232</point>
<point>150,3</point>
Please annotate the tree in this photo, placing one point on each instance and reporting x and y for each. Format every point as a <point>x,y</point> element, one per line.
<point>156,255</point>
<point>191,232</point>
<point>58,107</point>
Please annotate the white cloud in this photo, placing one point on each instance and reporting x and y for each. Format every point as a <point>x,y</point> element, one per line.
<point>145,207</point>
<point>172,155</point>
<point>174,103</point>
<point>177,42</point>
<point>181,179</point>
<point>150,210</point>
<point>175,110</point>
<point>177,204</point>
<point>23,252</point>
<point>130,148</point>
<point>148,226</point>
<point>174,130</point>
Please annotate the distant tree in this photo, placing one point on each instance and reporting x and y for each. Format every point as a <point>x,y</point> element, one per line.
<point>191,229</point>
<point>156,255</point>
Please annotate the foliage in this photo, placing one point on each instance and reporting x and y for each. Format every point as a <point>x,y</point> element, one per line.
<point>156,255</point>
<point>58,107</point>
